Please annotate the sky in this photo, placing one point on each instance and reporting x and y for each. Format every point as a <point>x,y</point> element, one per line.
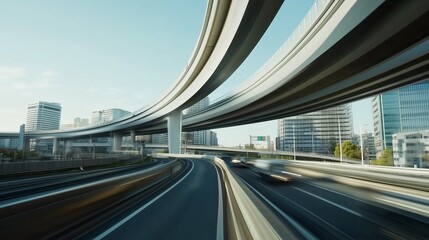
<point>101,54</point>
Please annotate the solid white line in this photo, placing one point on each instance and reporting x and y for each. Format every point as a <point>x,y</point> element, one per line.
<point>114,227</point>
<point>307,234</point>
<point>69,189</point>
<point>406,205</point>
<point>330,202</point>
<point>220,233</point>
<point>306,210</point>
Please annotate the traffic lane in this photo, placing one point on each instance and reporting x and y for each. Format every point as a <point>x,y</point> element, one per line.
<point>336,216</point>
<point>32,187</point>
<point>187,211</point>
<point>307,220</point>
<point>391,221</point>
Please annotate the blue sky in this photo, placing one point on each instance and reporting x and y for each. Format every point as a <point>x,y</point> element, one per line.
<point>94,55</point>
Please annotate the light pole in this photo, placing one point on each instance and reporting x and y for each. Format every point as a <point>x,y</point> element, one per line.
<point>361,143</point>
<point>294,148</point>
<point>312,138</point>
<point>339,136</point>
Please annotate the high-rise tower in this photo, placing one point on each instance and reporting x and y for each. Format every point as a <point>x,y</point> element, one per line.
<point>317,131</point>
<point>402,110</point>
<point>43,116</point>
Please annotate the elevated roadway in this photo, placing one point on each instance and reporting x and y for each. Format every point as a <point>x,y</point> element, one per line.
<point>352,50</point>
<point>345,50</point>
<point>227,150</point>
<point>230,31</point>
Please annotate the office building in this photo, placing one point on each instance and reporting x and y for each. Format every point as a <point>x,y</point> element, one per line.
<point>316,132</point>
<point>198,106</point>
<point>107,115</point>
<point>81,122</point>
<point>203,137</point>
<point>411,149</point>
<point>405,109</point>
<point>369,152</point>
<point>43,116</point>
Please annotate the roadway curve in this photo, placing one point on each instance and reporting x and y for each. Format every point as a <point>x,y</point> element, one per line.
<point>189,209</point>
<point>323,209</point>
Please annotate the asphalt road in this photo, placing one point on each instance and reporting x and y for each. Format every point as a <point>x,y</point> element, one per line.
<point>323,209</point>
<point>188,209</point>
<point>24,187</point>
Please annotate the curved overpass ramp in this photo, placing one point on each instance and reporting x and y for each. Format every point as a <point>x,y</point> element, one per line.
<point>230,31</point>
<point>354,49</point>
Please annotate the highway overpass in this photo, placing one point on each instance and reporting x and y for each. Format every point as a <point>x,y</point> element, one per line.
<point>342,51</point>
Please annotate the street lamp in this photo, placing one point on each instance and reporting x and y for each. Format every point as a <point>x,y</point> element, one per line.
<point>361,143</point>
<point>339,136</point>
<point>294,148</point>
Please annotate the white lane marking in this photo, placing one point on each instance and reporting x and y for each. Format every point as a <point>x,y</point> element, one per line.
<point>332,191</point>
<point>220,233</point>
<point>114,227</point>
<point>330,202</point>
<point>251,171</point>
<point>308,211</point>
<point>405,205</point>
<point>307,234</point>
<point>69,189</point>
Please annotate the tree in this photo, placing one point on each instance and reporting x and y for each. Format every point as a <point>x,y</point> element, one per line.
<point>386,158</point>
<point>350,150</point>
<point>332,145</point>
<point>249,146</point>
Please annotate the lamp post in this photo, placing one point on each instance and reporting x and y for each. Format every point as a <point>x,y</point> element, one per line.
<point>294,147</point>
<point>361,143</point>
<point>339,136</point>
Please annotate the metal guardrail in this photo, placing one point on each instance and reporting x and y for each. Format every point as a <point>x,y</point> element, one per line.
<point>413,178</point>
<point>72,211</point>
<point>28,166</point>
<point>245,217</point>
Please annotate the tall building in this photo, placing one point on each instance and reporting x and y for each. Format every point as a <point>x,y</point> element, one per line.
<point>198,106</point>
<point>411,149</point>
<point>43,116</point>
<point>316,132</point>
<point>405,109</point>
<point>107,115</point>
<point>368,145</point>
<point>81,122</point>
<point>203,137</point>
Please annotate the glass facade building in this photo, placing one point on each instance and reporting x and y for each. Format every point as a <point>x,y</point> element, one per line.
<point>405,109</point>
<point>316,132</point>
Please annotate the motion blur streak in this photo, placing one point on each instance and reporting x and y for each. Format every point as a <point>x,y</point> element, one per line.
<point>332,206</point>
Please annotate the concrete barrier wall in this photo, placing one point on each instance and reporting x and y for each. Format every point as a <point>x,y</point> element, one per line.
<point>49,165</point>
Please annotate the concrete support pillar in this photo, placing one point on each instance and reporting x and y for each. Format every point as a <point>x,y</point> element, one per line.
<point>117,142</point>
<point>133,138</point>
<point>68,147</point>
<point>21,139</point>
<point>174,128</point>
<point>26,145</point>
<point>56,146</point>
